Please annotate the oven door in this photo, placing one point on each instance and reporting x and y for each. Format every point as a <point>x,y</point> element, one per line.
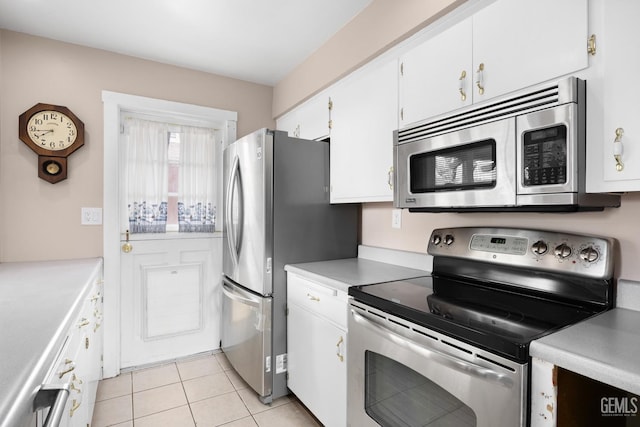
<point>400,374</point>
<point>468,168</point>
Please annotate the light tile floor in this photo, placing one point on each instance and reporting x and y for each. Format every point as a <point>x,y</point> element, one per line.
<point>203,391</point>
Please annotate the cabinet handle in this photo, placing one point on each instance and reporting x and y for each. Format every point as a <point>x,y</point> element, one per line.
<point>339,349</point>
<point>591,45</point>
<point>617,149</point>
<point>74,407</point>
<point>402,114</point>
<point>480,79</point>
<point>461,87</point>
<point>313,297</point>
<point>390,177</point>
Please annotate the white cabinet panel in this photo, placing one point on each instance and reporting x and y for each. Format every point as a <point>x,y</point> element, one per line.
<point>505,46</point>
<point>309,120</point>
<point>524,42</point>
<point>364,116</point>
<point>437,75</point>
<point>621,94</point>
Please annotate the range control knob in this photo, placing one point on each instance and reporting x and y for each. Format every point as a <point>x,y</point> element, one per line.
<point>589,254</point>
<point>539,247</point>
<point>436,239</point>
<point>448,239</point>
<point>563,251</point>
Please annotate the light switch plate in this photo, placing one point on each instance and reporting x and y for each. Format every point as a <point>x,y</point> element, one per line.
<point>91,216</point>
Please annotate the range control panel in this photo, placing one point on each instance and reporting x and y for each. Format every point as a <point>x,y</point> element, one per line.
<point>566,253</point>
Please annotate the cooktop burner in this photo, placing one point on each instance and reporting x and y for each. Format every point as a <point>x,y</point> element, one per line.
<point>500,299</point>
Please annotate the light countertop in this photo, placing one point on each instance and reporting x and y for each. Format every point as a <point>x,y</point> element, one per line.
<point>604,347</point>
<point>342,273</point>
<point>38,302</point>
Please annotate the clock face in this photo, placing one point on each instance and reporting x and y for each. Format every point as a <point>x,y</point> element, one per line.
<point>52,130</point>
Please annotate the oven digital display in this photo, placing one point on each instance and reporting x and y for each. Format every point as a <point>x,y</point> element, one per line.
<point>499,244</point>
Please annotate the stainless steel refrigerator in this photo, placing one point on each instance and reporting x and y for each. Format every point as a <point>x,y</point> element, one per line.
<point>276,212</point>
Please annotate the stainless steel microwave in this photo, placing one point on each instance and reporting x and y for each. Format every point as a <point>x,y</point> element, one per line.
<point>524,151</point>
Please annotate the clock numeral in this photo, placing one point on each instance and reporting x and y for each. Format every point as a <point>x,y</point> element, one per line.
<point>32,128</point>
<point>38,121</point>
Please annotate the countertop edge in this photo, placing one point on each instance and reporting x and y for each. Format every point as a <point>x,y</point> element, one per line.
<point>586,366</point>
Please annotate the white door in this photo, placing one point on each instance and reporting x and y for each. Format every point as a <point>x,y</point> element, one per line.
<point>170,280</point>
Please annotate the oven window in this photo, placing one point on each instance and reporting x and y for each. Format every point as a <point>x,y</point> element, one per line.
<point>399,396</point>
<point>463,167</point>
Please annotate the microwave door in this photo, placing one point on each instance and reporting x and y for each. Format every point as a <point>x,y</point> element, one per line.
<point>466,169</point>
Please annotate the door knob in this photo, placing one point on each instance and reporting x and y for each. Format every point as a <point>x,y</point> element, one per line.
<point>127,247</point>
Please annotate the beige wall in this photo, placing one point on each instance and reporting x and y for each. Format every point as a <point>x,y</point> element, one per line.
<point>381,25</point>
<point>41,221</point>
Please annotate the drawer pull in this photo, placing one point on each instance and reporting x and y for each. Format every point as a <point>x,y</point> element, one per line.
<point>66,371</point>
<point>74,407</point>
<point>313,297</point>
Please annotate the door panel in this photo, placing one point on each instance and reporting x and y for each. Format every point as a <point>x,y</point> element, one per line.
<point>170,299</point>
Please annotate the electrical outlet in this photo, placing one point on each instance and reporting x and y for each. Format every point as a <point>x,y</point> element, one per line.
<point>396,218</point>
<point>91,216</point>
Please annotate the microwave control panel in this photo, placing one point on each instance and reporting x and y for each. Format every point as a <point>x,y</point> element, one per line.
<point>545,156</point>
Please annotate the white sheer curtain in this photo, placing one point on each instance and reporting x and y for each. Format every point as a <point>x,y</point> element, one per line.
<point>196,182</point>
<point>147,183</point>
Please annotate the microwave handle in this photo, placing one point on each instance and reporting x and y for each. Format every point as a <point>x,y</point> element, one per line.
<point>432,354</point>
<point>54,397</point>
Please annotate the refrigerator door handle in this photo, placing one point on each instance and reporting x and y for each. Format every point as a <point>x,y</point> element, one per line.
<point>234,240</point>
<point>236,296</point>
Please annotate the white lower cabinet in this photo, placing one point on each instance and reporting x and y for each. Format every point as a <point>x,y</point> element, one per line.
<point>316,346</point>
<point>80,361</point>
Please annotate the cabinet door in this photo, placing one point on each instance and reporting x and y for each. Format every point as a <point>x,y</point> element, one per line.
<point>313,117</point>
<point>317,365</point>
<point>621,92</point>
<point>523,42</point>
<point>437,76</point>
<point>309,120</point>
<point>364,116</point>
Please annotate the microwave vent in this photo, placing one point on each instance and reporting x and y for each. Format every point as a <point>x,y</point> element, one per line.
<point>537,98</point>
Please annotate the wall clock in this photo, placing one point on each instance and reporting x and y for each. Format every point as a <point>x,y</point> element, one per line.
<point>53,132</point>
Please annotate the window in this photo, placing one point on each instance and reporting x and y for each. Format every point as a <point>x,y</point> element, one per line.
<point>170,177</point>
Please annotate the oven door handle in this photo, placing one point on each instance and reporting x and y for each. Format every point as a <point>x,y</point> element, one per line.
<point>432,354</point>
<point>54,397</point>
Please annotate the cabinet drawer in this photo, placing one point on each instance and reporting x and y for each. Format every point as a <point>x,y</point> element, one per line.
<point>322,300</point>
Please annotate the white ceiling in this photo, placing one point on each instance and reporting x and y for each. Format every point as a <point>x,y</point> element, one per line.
<point>255,40</point>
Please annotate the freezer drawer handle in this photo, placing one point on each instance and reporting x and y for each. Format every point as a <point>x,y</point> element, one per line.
<point>54,397</point>
<point>234,296</point>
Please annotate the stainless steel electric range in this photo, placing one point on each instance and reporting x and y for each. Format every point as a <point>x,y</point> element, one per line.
<point>452,349</point>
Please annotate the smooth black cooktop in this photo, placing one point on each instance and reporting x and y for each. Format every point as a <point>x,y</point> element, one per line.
<point>497,319</point>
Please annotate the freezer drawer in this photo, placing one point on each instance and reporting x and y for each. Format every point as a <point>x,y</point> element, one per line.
<point>246,336</point>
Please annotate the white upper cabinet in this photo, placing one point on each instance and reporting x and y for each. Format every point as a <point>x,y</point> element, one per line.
<point>364,116</point>
<point>506,46</point>
<point>613,106</point>
<point>519,43</point>
<point>310,120</point>
<point>437,75</point>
